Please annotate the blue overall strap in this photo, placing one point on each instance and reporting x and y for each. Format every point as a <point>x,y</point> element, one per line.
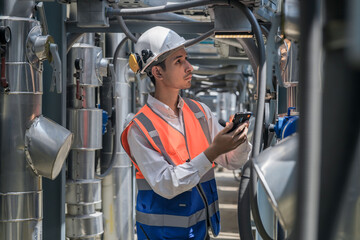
<point>200,116</point>
<point>145,121</point>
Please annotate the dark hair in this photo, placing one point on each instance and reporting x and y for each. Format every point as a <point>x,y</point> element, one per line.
<point>149,73</point>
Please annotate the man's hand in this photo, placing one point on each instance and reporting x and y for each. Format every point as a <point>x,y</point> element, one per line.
<point>225,142</point>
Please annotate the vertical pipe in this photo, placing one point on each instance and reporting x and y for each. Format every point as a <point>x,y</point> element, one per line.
<point>117,187</point>
<point>308,182</point>
<point>20,189</point>
<point>83,191</point>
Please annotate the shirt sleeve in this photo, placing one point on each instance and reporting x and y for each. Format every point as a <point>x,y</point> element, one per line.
<point>235,158</point>
<point>166,180</point>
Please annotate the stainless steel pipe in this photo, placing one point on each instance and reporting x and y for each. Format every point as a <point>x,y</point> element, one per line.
<point>83,191</point>
<point>24,156</point>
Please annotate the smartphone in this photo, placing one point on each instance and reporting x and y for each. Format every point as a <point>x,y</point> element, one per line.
<point>239,119</point>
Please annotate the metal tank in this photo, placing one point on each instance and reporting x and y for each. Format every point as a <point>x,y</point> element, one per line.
<point>31,146</point>
<point>83,191</point>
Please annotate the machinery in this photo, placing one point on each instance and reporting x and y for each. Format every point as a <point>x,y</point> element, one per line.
<point>294,64</point>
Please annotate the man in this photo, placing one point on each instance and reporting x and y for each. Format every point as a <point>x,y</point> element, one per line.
<point>173,143</point>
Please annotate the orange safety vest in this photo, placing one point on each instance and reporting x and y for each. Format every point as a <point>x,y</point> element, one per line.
<point>155,213</point>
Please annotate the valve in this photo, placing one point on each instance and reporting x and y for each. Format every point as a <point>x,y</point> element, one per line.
<point>5,37</point>
<point>285,126</point>
<point>77,75</point>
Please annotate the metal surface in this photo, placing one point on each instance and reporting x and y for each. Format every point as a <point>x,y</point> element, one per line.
<point>16,8</point>
<point>118,187</point>
<point>291,19</point>
<point>347,226</point>
<point>91,13</point>
<point>84,226</point>
<point>81,164</point>
<point>230,20</point>
<point>276,168</point>
<point>86,126</point>
<point>83,192</point>
<point>92,69</point>
<point>20,187</point>
<point>47,145</point>
<point>15,206</point>
<point>24,230</point>
<point>87,94</point>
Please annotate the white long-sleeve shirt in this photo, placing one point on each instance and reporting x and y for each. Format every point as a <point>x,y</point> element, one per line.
<point>169,181</point>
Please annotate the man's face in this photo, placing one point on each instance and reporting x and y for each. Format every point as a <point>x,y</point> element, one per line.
<point>178,72</point>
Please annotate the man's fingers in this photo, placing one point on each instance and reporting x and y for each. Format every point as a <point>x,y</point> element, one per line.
<point>227,128</point>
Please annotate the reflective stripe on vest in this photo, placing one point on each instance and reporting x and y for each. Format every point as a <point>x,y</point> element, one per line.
<point>164,220</point>
<point>154,135</point>
<point>199,114</point>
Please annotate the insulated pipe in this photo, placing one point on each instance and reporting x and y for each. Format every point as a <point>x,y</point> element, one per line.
<point>26,136</point>
<point>83,191</point>
<point>118,187</point>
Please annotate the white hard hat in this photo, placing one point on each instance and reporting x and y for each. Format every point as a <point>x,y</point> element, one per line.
<point>154,45</point>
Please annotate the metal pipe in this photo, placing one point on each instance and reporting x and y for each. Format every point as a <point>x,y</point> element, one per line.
<point>118,186</point>
<point>22,160</point>
<point>83,191</point>
<point>310,125</point>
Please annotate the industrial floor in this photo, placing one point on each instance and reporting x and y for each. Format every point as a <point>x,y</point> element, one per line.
<point>228,196</point>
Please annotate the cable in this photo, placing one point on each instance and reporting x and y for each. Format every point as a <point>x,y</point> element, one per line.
<point>117,51</point>
<point>124,27</point>
<point>244,203</point>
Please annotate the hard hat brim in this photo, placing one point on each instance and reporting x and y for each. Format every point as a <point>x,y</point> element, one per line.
<point>161,57</point>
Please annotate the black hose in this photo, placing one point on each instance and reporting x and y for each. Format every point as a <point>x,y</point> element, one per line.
<point>117,51</point>
<point>124,27</point>
<point>113,118</point>
<point>113,157</point>
<point>244,217</point>
<point>244,203</point>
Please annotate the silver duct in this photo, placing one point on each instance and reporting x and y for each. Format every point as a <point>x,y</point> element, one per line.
<point>31,146</point>
<point>118,186</point>
<point>83,192</point>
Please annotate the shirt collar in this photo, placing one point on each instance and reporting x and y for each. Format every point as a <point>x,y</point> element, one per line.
<point>162,107</point>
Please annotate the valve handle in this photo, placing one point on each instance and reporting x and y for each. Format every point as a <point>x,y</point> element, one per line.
<point>56,65</point>
<point>40,8</point>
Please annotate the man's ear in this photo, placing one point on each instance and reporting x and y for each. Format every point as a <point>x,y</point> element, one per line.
<point>156,72</point>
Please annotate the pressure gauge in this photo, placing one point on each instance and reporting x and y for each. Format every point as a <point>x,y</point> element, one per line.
<point>5,35</point>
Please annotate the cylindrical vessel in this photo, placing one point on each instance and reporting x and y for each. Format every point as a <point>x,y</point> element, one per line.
<point>20,188</point>
<point>31,146</point>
